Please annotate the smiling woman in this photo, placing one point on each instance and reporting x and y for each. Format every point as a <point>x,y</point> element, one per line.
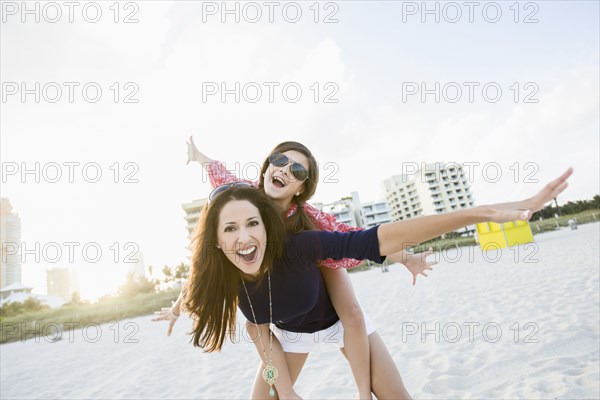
<point>293,297</point>
<point>229,224</point>
<point>242,236</point>
<point>289,175</point>
<point>282,294</point>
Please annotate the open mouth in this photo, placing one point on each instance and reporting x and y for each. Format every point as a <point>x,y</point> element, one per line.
<point>248,254</point>
<point>278,182</point>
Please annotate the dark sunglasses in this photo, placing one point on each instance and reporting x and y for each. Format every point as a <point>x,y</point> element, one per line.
<point>226,186</point>
<point>297,169</point>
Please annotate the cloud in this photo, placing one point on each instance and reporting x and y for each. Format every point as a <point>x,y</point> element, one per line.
<point>535,141</point>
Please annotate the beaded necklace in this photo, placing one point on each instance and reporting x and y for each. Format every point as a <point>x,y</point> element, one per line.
<point>270,372</point>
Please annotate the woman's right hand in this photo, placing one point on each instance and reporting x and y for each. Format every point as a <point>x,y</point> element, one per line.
<point>167,314</point>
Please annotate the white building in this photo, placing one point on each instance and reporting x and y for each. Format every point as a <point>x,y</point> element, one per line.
<point>345,211</point>
<point>10,239</point>
<point>136,265</point>
<point>62,282</point>
<point>401,195</point>
<point>193,211</point>
<point>435,188</point>
<point>375,213</point>
<point>17,293</point>
<point>352,212</point>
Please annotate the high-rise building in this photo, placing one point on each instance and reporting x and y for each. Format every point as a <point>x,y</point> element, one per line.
<point>193,212</point>
<point>10,238</point>
<point>435,188</point>
<point>62,282</point>
<point>136,265</point>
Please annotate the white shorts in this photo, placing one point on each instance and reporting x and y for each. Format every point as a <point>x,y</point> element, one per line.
<point>297,342</point>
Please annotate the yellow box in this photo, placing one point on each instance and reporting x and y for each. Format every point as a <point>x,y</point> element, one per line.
<point>520,233</point>
<point>494,236</point>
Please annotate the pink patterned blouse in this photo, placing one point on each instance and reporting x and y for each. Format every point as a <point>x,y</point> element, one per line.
<point>219,175</point>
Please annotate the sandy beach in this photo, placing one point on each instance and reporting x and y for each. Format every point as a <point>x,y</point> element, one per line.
<point>478,327</point>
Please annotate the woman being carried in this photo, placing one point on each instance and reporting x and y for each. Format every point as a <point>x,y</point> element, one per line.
<point>243,255</point>
<point>289,176</point>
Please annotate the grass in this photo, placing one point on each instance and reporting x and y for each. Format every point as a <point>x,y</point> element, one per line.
<point>42,323</point>
<point>562,221</point>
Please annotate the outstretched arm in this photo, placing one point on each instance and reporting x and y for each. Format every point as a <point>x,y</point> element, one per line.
<point>196,155</point>
<point>172,313</point>
<point>216,171</point>
<point>416,264</point>
<point>397,236</point>
<point>537,202</point>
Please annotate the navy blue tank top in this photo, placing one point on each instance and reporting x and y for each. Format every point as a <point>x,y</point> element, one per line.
<point>300,300</point>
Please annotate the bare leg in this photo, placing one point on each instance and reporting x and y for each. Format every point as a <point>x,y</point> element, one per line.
<point>295,362</point>
<point>385,377</point>
<point>356,343</point>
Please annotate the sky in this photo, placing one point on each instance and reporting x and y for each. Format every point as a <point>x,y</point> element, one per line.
<point>372,88</point>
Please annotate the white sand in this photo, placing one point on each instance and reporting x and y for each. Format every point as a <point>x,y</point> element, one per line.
<point>558,294</point>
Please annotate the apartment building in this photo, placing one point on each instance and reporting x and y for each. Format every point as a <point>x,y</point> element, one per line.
<point>435,188</point>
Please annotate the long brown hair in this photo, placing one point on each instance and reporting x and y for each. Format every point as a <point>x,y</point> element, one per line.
<point>212,297</point>
<point>299,221</point>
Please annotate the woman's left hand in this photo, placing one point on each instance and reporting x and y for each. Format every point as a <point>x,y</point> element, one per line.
<point>523,210</point>
<point>549,192</point>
